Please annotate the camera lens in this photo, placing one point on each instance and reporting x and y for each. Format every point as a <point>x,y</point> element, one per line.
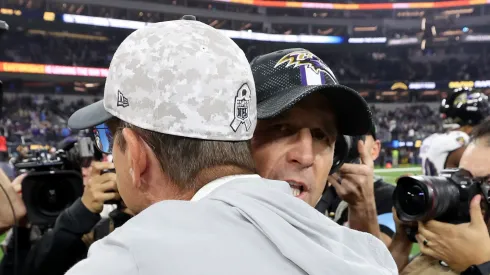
<point>414,200</point>
<point>424,198</point>
<point>47,193</point>
<point>53,197</point>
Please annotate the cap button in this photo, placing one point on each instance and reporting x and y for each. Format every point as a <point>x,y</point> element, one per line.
<point>189,17</point>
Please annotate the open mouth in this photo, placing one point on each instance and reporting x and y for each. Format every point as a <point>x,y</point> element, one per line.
<point>296,188</point>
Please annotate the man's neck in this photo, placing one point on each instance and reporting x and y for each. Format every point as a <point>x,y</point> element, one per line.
<point>208,175</point>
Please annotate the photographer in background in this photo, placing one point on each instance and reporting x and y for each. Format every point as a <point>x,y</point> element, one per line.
<point>341,200</point>
<point>80,225</point>
<point>75,154</point>
<point>454,248</point>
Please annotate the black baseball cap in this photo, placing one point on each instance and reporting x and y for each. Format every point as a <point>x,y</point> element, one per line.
<point>373,129</point>
<point>284,77</point>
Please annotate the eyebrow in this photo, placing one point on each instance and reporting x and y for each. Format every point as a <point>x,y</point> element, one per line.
<point>327,124</point>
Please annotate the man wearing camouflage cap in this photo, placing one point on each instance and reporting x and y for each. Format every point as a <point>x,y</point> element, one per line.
<point>178,112</point>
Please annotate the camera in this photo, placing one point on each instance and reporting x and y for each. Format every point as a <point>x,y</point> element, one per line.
<point>445,198</point>
<point>352,155</point>
<point>346,151</point>
<point>53,183</point>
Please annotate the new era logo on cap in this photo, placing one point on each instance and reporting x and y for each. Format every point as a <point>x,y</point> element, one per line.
<point>122,101</point>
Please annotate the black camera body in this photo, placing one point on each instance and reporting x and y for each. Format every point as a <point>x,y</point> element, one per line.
<point>445,198</point>
<point>352,155</point>
<point>47,193</point>
<point>346,151</point>
<point>54,183</point>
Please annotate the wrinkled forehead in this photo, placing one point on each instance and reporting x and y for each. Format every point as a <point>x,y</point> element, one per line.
<point>475,159</point>
<point>313,110</point>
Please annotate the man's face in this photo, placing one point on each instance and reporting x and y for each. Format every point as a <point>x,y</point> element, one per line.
<point>373,146</point>
<point>297,146</point>
<point>475,160</point>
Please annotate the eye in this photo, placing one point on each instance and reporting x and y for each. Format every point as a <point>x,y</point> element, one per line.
<point>318,134</point>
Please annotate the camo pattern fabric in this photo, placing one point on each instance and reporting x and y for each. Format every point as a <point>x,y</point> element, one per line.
<point>183,78</point>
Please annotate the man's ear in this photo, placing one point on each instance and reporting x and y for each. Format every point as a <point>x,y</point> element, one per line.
<point>376,149</point>
<point>135,155</point>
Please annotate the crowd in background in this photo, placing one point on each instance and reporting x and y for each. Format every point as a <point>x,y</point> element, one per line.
<point>413,122</point>
<point>37,119</point>
<point>42,48</point>
<point>43,119</point>
<point>411,65</point>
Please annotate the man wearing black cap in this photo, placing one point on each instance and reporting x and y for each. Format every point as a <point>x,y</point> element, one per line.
<point>301,110</point>
<point>333,203</point>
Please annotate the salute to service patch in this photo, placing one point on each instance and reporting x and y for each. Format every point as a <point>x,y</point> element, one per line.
<point>242,108</point>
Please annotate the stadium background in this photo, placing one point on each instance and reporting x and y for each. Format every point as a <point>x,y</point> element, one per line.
<point>402,57</point>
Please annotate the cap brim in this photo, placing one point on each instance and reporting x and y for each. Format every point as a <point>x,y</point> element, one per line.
<point>352,113</point>
<point>89,116</point>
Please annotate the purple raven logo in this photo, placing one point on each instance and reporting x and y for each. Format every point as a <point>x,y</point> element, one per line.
<point>307,59</point>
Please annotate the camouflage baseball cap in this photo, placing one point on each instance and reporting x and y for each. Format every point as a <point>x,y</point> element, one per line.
<point>181,78</point>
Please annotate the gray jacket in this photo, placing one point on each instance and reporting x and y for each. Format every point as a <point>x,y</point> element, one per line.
<point>244,225</point>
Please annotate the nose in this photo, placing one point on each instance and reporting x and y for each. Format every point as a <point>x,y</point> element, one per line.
<point>301,153</point>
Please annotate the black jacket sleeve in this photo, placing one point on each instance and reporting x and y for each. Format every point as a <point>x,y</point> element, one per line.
<point>59,249</point>
<point>482,269</point>
<point>7,267</point>
<point>383,193</point>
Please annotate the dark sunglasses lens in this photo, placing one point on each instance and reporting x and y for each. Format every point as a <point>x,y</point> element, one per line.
<point>103,138</point>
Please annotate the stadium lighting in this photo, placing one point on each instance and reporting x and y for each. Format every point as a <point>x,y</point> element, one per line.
<point>365,29</point>
<point>477,38</point>
<point>421,85</point>
<point>49,16</point>
<point>249,35</point>
<point>403,41</point>
<point>458,11</point>
<point>379,5</point>
<point>367,40</point>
